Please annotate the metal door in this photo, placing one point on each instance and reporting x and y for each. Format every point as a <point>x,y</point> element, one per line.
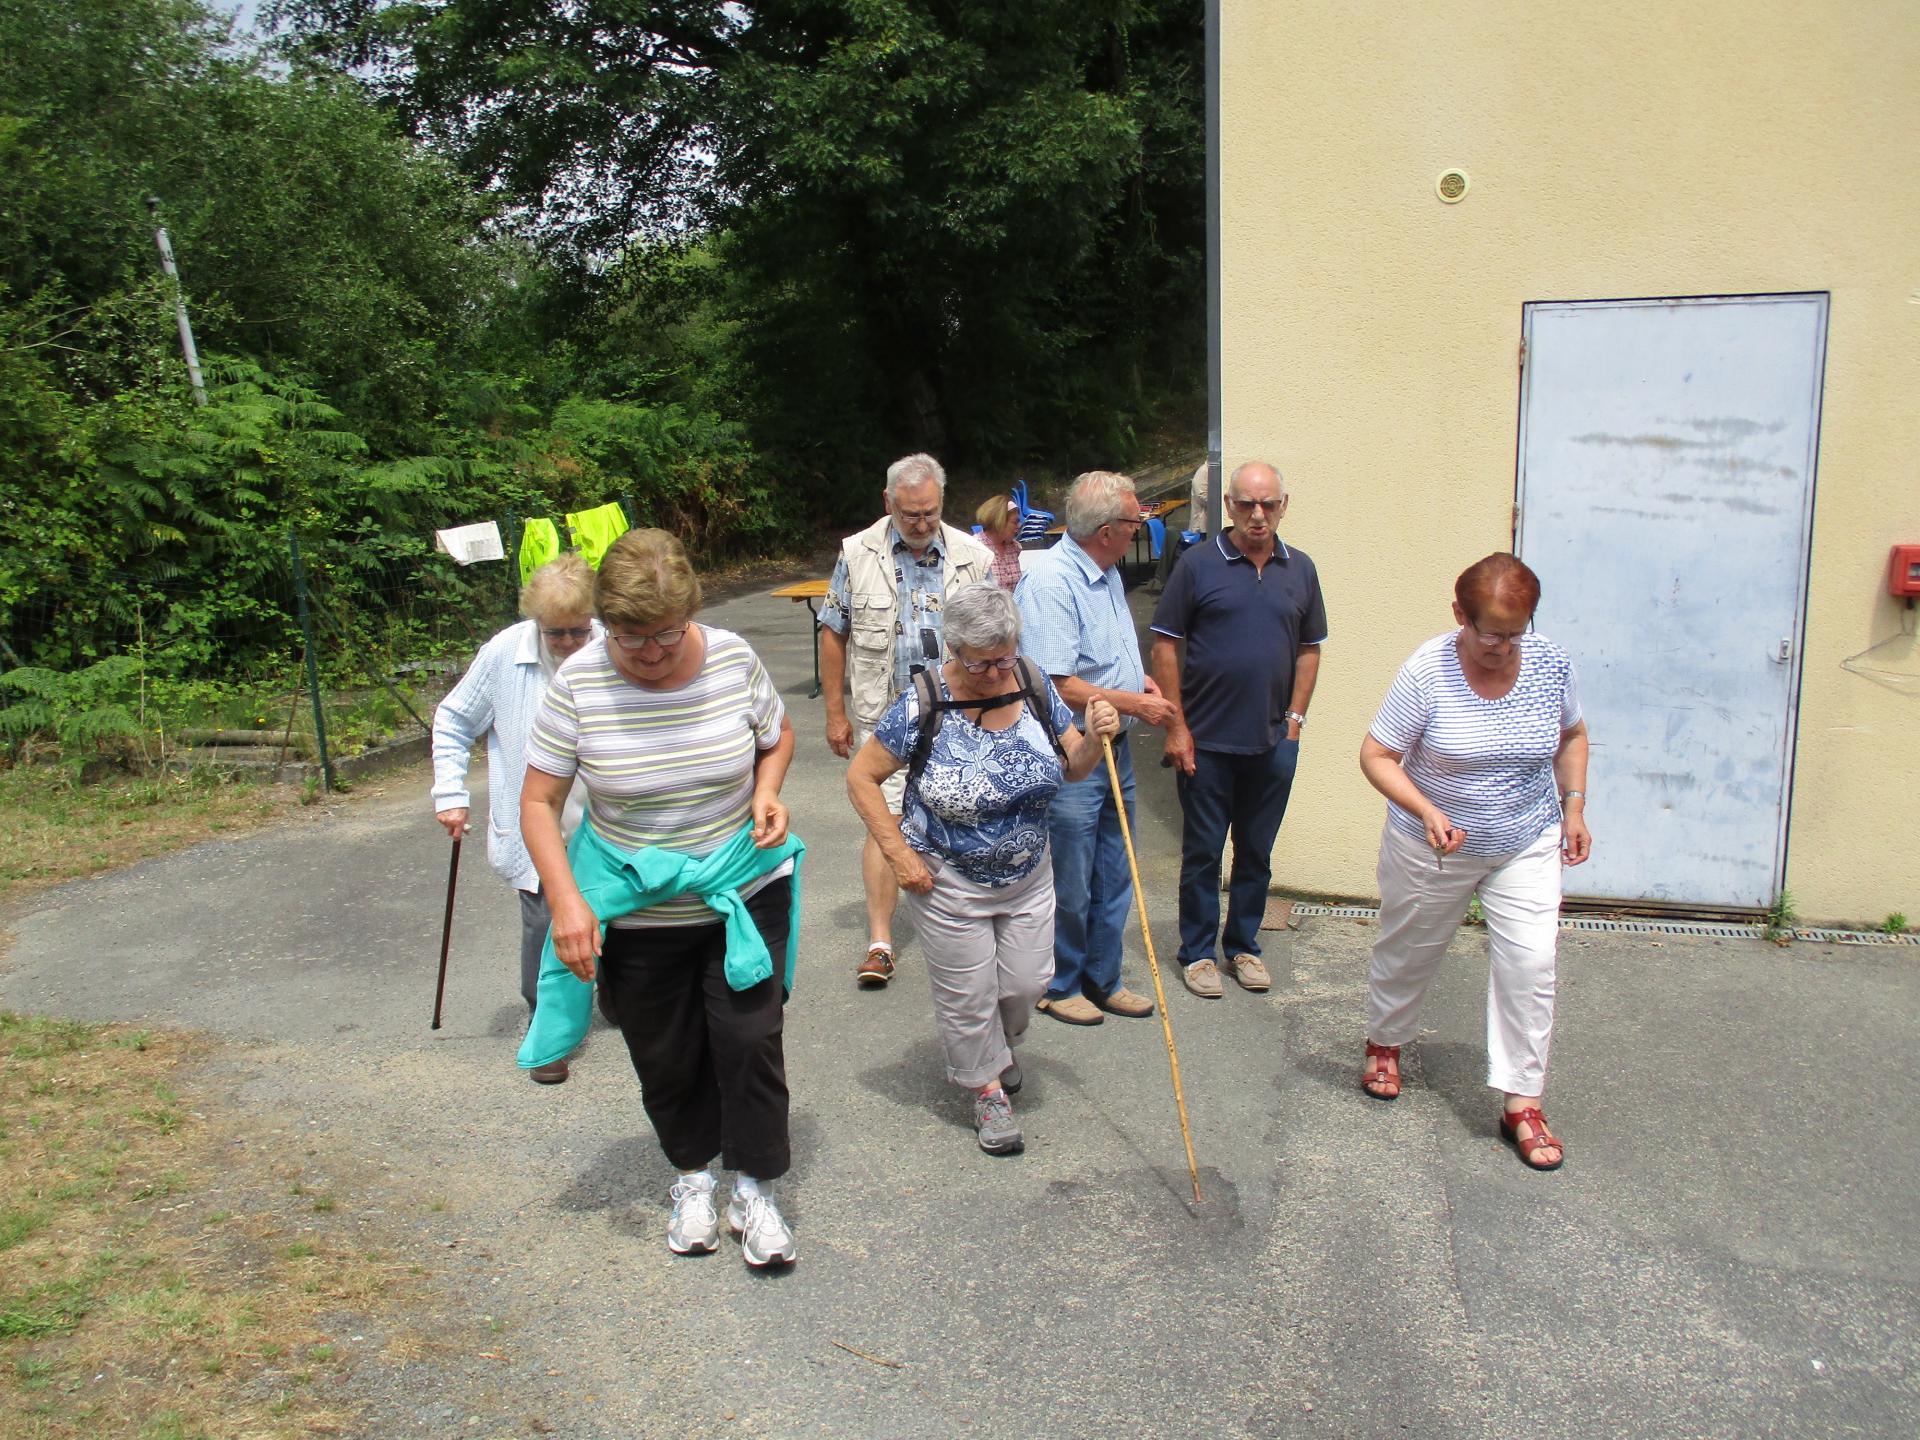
<point>1666,469</point>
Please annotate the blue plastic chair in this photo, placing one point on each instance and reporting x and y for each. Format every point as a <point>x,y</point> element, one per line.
<point>1033,522</point>
<point>1157,536</point>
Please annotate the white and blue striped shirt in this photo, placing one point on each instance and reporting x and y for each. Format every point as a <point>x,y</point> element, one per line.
<point>1487,763</point>
<point>673,768</point>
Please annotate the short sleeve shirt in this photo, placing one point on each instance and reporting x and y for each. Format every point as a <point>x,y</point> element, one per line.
<point>672,768</point>
<point>1487,763</point>
<point>1074,621</point>
<point>1244,626</point>
<point>1006,561</point>
<point>919,593</point>
<point>981,803</point>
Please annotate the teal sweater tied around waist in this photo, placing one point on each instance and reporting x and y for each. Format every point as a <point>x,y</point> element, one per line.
<point>618,882</point>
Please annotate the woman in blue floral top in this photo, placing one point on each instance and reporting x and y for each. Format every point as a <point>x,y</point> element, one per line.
<point>970,848</point>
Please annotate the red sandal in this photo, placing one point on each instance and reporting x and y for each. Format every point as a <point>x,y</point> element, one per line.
<point>1376,1073</point>
<point>1541,1139</point>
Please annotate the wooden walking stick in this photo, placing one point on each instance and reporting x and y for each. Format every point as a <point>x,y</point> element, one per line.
<point>446,931</point>
<point>1153,965</point>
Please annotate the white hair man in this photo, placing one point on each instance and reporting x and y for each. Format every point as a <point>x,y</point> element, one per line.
<point>882,620</point>
<point>1077,628</point>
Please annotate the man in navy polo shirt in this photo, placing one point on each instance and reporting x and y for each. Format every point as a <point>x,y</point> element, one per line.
<point>1250,613</point>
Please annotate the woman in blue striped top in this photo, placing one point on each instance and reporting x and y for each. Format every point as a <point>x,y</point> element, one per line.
<point>1481,751</point>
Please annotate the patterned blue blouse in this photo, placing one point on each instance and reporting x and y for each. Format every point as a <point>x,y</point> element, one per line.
<point>981,804</point>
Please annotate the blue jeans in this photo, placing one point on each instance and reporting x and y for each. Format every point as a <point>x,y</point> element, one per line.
<point>1245,795</point>
<point>1092,886</point>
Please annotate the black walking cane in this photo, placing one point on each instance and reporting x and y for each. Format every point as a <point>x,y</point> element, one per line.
<point>446,931</point>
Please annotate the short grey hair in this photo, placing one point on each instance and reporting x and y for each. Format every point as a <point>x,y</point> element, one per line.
<point>559,590</point>
<point>1098,498</point>
<point>1233,480</point>
<point>914,470</point>
<point>980,616</point>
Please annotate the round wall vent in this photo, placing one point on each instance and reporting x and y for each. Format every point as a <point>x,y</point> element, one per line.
<point>1451,186</point>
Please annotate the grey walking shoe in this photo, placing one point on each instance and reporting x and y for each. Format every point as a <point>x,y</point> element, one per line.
<point>993,1123</point>
<point>695,1228</point>
<point>764,1237</point>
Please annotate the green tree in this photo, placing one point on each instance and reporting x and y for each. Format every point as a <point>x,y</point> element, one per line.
<point>964,211</point>
<point>313,235</point>
<point>956,223</point>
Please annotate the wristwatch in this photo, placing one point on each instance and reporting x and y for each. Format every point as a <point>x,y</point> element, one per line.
<point>1297,718</point>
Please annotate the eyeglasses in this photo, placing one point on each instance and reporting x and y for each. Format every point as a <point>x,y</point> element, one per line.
<point>980,667</point>
<point>1134,520</point>
<point>665,639</point>
<point>574,632</point>
<point>917,517</point>
<point>1512,638</point>
<point>1271,507</point>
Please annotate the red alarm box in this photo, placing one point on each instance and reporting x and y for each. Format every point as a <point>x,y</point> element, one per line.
<point>1903,571</point>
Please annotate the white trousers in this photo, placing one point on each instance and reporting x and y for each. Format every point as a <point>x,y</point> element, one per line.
<point>989,954</point>
<point>1421,905</point>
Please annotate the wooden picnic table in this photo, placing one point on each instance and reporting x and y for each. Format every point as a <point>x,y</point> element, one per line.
<point>809,591</point>
<point>1157,511</point>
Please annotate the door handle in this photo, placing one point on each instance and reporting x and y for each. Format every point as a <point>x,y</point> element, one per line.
<point>1783,652</point>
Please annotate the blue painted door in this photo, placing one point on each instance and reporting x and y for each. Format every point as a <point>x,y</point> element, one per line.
<point>1666,469</point>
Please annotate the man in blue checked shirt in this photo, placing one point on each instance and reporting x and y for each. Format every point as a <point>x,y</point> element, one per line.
<point>1076,626</point>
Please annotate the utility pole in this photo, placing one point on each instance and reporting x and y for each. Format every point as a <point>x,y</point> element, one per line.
<point>1216,490</point>
<point>179,303</point>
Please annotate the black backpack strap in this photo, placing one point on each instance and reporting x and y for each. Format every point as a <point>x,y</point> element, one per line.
<point>1033,684</point>
<point>932,713</point>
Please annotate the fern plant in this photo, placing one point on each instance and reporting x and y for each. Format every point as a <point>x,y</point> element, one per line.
<point>84,711</point>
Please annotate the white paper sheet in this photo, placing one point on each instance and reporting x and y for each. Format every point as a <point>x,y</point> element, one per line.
<point>468,543</point>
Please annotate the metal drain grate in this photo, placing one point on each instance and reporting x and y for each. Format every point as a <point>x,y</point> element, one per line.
<point>1856,937</point>
<point>1717,928</point>
<point>1591,924</point>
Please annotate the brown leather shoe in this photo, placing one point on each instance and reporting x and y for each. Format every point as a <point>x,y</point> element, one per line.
<point>552,1073</point>
<point>1203,979</point>
<point>1251,974</point>
<point>1125,1003</point>
<point>877,969</point>
<point>1070,1009</point>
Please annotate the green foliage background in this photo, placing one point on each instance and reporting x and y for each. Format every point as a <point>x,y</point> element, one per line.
<point>461,259</point>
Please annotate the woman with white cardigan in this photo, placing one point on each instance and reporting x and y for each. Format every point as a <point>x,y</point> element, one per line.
<point>498,698</point>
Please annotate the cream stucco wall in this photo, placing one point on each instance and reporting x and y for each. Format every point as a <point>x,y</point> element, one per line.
<point>1370,332</point>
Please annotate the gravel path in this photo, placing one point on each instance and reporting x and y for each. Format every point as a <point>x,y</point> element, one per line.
<point>1730,1250</point>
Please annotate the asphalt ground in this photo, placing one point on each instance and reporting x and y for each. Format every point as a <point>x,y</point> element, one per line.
<point>1729,1250</point>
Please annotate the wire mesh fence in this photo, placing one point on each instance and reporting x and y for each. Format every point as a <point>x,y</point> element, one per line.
<point>309,647</point>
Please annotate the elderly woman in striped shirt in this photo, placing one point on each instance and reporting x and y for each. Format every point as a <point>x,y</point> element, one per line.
<point>680,890</point>
<point>1481,752</point>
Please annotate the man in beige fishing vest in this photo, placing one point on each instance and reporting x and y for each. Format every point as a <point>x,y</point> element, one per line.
<point>882,613</point>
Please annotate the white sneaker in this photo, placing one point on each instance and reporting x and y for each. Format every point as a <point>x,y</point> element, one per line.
<point>695,1228</point>
<point>764,1236</point>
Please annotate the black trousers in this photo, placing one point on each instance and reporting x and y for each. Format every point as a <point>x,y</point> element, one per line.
<point>711,1059</point>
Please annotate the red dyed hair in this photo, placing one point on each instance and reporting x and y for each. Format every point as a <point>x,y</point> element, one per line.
<point>1499,577</point>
